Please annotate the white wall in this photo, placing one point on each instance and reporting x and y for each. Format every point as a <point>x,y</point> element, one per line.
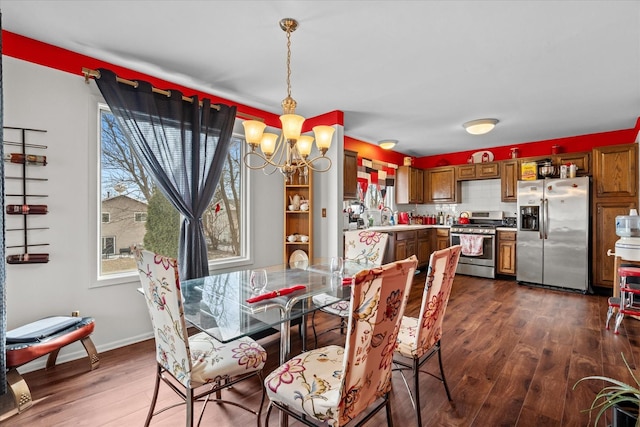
<point>61,103</point>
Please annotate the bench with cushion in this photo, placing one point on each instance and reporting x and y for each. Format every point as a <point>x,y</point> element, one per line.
<point>42,337</point>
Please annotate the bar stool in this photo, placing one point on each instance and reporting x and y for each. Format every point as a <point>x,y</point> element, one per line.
<point>626,303</point>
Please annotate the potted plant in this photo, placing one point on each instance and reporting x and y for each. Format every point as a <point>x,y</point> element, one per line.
<point>623,399</point>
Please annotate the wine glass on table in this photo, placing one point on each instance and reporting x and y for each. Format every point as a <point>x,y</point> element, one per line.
<point>258,281</point>
<point>336,266</point>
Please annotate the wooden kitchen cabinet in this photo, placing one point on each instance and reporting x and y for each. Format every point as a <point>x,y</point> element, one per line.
<point>509,180</point>
<point>506,253</point>
<point>442,239</point>
<point>424,245</point>
<point>582,161</point>
<point>404,244</point>
<point>604,235</point>
<point>441,185</point>
<point>466,172</point>
<point>615,181</point>
<point>615,172</point>
<point>409,185</point>
<point>350,175</point>
<point>478,171</point>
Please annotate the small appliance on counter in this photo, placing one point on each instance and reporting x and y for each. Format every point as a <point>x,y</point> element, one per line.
<point>510,221</point>
<point>403,217</point>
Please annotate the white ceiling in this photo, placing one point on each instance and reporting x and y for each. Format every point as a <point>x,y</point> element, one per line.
<point>407,70</point>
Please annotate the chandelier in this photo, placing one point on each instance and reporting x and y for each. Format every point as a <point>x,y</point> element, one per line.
<point>289,151</point>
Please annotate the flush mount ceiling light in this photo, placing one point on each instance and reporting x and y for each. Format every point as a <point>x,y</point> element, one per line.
<point>480,126</point>
<point>289,151</point>
<point>387,144</point>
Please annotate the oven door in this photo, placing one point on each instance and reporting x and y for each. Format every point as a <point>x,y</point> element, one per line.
<point>488,250</point>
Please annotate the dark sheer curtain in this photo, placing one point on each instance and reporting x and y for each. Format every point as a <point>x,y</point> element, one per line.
<point>3,293</point>
<point>183,146</point>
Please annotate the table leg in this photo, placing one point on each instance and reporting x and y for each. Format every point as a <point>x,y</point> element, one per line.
<point>285,348</point>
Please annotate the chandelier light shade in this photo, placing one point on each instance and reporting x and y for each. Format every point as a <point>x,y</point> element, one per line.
<point>387,144</point>
<point>480,126</point>
<point>291,150</point>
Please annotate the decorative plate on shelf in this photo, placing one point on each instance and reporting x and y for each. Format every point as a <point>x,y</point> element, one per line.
<point>482,156</point>
<point>299,259</point>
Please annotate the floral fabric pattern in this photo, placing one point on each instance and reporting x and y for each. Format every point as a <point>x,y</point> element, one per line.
<point>198,359</point>
<point>365,247</point>
<point>334,384</point>
<point>418,335</point>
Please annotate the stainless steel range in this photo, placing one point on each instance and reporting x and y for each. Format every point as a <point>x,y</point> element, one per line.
<point>478,241</point>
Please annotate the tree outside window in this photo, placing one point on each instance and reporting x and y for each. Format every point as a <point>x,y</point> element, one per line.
<point>138,214</point>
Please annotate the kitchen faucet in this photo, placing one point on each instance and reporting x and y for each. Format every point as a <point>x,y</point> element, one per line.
<point>385,218</point>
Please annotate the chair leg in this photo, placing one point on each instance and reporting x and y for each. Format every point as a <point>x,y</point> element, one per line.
<point>619,317</point>
<point>269,408</point>
<point>264,393</point>
<point>154,399</point>
<point>189,402</point>
<point>416,390</point>
<point>444,380</point>
<point>609,315</point>
<point>388,408</point>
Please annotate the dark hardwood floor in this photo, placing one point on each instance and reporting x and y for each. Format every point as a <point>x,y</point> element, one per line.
<point>511,353</point>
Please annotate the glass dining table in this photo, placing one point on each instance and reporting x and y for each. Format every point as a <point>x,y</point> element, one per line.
<point>218,304</point>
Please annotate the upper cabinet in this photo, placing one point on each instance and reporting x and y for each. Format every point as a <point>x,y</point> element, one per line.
<point>478,171</point>
<point>615,170</point>
<point>509,180</point>
<point>441,185</point>
<point>350,175</point>
<point>409,185</point>
<point>582,161</point>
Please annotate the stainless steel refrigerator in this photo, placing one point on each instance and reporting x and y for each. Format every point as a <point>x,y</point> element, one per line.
<point>553,233</point>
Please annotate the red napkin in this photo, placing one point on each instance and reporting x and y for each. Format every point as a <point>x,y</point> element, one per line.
<point>278,293</point>
<point>347,281</point>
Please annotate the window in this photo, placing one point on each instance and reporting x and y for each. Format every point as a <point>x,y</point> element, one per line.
<point>108,246</point>
<point>134,213</point>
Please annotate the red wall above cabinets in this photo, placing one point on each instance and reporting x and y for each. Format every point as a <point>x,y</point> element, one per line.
<point>372,151</point>
<point>572,144</point>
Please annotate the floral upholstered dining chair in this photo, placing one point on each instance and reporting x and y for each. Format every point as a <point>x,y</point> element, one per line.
<point>361,246</point>
<point>364,246</point>
<point>335,384</point>
<point>200,364</point>
<point>419,338</point>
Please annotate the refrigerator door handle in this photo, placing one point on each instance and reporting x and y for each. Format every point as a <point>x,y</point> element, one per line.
<point>546,218</point>
<point>541,220</point>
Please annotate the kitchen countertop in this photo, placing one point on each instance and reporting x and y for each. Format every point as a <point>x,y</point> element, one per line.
<point>507,228</point>
<point>404,227</point>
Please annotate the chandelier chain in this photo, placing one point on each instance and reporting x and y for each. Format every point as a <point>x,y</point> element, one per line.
<point>288,62</point>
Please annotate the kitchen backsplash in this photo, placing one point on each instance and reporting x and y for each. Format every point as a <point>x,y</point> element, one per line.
<point>478,195</point>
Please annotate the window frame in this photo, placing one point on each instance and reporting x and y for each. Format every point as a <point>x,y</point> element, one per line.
<point>142,214</point>
<point>102,214</point>
<point>132,277</point>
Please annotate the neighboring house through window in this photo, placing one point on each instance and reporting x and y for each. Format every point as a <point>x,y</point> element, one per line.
<point>131,214</point>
